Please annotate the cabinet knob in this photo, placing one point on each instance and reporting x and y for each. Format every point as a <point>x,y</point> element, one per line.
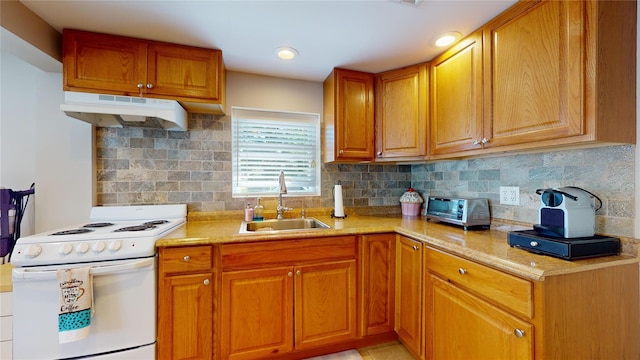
<point>534,243</point>
<point>290,273</point>
<point>298,272</point>
<point>416,247</point>
<point>379,153</point>
<point>476,142</point>
<point>206,281</point>
<point>519,333</point>
<point>462,271</point>
<point>149,86</point>
<point>341,152</point>
<point>484,140</point>
<point>186,258</point>
<point>140,85</point>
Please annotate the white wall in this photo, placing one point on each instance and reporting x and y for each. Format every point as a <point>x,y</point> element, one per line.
<point>39,143</point>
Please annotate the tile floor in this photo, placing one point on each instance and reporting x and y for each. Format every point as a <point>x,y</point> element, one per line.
<point>389,351</point>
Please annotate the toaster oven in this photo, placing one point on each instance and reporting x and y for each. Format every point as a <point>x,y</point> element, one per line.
<point>466,212</point>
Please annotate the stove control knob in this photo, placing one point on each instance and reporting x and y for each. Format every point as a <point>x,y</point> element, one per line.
<point>82,248</point>
<point>65,249</point>
<point>33,250</point>
<point>99,247</point>
<point>115,245</point>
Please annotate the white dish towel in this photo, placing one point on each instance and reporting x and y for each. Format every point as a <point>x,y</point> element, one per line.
<point>76,301</point>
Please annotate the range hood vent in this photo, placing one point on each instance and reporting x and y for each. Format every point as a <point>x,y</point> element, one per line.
<point>125,111</point>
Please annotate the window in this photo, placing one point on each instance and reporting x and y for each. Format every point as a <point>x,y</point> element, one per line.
<point>265,142</point>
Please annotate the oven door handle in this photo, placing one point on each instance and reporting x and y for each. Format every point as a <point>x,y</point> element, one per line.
<point>28,274</point>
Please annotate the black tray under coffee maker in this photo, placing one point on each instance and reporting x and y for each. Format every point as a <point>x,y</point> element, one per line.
<point>568,249</point>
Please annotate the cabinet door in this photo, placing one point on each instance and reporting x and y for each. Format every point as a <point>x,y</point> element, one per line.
<point>461,326</point>
<point>378,280</point>
<point>257,313</point>
<point>456,98</point>
<point>325,304</point>
<point>185,321</point>
<point>182,71</point>
<point>401,112</point>
<point>534,70</point>
<point>354,127</point>
<point>103,63</point>
<point>408,319</point>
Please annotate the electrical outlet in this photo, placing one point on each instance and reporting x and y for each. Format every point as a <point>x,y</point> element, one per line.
<point>509,195</point>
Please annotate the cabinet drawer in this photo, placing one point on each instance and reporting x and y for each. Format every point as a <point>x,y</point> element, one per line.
<point>289,252</point>
<point>185,259</point>
<point>510,291</point>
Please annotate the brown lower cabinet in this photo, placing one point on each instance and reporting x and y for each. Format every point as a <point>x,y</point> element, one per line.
<point>377,276</point>
<point>185,303</point>
<point>409,308</point>
<point>477,312</point>
<point>277,310</point>
<point>288,296</point>
<point>293,299</point>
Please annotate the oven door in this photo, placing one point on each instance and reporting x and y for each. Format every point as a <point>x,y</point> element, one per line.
<point>124,321</point>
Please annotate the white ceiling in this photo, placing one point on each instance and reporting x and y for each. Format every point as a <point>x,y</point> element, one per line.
<point>365,35</point>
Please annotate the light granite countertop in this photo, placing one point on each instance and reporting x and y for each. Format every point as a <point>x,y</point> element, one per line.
<point>5,278</point>
<point>489,247</point>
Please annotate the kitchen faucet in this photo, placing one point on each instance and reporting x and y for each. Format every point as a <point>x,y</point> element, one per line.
<point>283,190</point>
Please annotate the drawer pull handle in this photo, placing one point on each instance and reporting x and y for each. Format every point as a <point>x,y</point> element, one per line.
<point>415,247</point>
<point>519,333</point>
<point>462,271</point>
<point>206,282</point>
<point>186,258</point>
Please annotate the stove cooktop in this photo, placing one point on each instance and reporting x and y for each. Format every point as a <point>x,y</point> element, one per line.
<point>113,233</point>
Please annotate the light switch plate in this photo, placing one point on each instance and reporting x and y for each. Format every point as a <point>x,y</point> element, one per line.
<point>509,195</point>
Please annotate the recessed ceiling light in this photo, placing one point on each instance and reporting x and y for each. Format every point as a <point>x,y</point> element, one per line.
<point>447,38</point>
<point>286,53</point>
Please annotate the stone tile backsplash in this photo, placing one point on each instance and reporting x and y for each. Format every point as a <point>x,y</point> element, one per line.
<point>151,166</point>
<point>608,172</point>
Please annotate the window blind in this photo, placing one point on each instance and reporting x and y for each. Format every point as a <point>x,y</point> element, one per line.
<point>267,142</point>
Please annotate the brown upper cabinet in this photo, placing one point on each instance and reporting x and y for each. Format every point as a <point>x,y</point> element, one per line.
<point>560,72</point>
<point>101,63</point>
<point>348,116</point>
<point>551,73</point>
<point>401,113</point>
<point>456,98</point>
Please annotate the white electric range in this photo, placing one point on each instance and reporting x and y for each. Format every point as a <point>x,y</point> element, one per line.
<point>118,246</point>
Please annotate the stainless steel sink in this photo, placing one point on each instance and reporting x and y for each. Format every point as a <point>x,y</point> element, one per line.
<point>283,225</point>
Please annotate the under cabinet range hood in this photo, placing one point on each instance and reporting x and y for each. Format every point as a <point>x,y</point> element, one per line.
<point>125,111</point>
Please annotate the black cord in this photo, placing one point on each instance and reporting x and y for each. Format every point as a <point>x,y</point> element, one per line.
<point>590,193</point>
<point>572,197</point>
<point>20,200</point>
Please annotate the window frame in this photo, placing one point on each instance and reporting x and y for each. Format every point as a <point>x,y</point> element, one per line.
<point>276,117</point>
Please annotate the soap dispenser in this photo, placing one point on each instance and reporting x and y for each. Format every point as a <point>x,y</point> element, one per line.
<point>258,212</point>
